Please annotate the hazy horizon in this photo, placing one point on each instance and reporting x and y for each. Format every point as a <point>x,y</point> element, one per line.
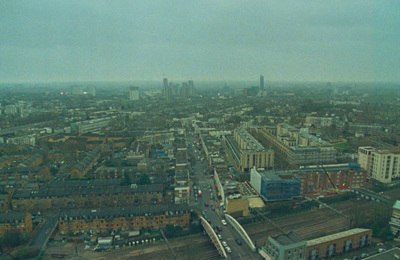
<point>122,41</point>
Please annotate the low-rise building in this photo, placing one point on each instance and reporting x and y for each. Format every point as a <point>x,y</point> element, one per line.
<point>80,169</point>
<point>15,221</point>
<point>5,202</point>
<point>284,247</point>
<point>335,244</point>
<point>123,219</point>
<point>88,196</point>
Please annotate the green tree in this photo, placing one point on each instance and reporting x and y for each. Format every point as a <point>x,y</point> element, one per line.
<point>53,170</point>
<point>12,238</point>
<point>386,234</point>
<point>126,180</point>
<point>144,179</point>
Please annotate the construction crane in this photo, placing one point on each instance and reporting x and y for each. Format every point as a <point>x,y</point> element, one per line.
<point>335,189</point>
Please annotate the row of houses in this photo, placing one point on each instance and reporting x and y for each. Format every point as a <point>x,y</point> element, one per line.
<point>80,197</point>
<point>101,220</point>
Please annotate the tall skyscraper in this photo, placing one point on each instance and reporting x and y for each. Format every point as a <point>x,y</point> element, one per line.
<point>91,90</point>
<point>185,90</point>
<point>165,84</point>
<point>134,93</point>
<point>191,87</point>
<point>77,90</point>
<point>261,82</point>
<point>167,90</point>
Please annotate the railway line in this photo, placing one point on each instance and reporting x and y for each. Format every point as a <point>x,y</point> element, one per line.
<point>312,224</point>
<point>309,225</point>
<point>184,248</point>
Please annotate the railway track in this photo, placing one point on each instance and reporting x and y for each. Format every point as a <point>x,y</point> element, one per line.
<point>190,247</point>
<point>309,225</point>
<point>312,224</point>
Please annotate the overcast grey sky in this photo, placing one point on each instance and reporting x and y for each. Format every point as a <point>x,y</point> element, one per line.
<point>293,40</point>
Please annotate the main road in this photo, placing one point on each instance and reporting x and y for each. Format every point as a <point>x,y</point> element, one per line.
<point>213,211</point>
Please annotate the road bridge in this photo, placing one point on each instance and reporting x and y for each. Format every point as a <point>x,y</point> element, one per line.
<point>241,231</point>
<point>211,233</point>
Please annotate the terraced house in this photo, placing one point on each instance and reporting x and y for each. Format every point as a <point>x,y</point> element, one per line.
<point>123,219</point>
<point>80,169</point>
<point>88,196</point>
<point>15,221</point>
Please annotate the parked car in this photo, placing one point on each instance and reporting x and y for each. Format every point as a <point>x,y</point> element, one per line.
<point>219,236</point>
<point>228,249</point>
<point>238,241</point>
<point>223,222</point>
<point>218,228</point>
<point>380,250</point>
<point>224,243</point>
<point>364,255</point>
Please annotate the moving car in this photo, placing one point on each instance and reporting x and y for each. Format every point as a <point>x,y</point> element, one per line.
<point>223,222</point>
<point>238,241</point>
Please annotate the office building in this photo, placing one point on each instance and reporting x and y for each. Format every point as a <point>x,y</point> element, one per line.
<point>191,89</point>
<point>91,90</point>
<point>273,186</point>
<point>261,82</point>
<point>134,93</point>
<point>77,90</point>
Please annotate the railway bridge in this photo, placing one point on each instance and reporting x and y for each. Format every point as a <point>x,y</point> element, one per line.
<point>211,233</point>
<point>241,231</point>
<point>371,195</point>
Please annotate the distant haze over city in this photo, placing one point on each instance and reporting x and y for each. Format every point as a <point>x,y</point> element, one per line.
<point>130,41</point>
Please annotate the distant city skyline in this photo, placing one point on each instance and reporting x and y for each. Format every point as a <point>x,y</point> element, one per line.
<point>291,40</point>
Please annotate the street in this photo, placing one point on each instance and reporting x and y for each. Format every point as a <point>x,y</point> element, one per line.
<point>213,211</point>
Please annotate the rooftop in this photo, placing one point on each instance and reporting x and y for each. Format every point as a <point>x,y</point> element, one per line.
<point>397,205</point>
<point>332,237</point>
<point>290,238</point>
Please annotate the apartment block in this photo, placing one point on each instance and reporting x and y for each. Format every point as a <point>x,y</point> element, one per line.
<point>248,152</point>
<point>395,219</point>
<point>381,164</point>
<point>298,147</point>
